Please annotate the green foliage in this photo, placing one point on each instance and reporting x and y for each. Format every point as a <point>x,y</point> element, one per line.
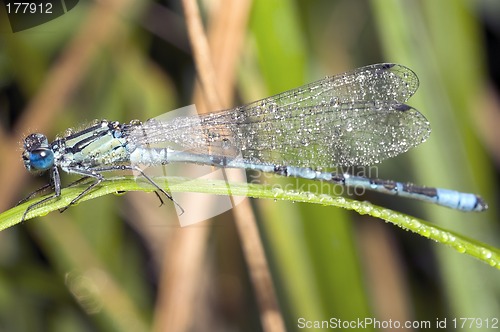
<point>91,267</point>
<point>460,243</point>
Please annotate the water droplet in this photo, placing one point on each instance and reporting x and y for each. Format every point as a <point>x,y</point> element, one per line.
<point>341,200</point>
<point>361,77</point>
<point>443,237</point>
<point>414,224</point>
<point>366,207</point>
<point>460,248</point>
<point>226,143</point>
<point>355,205</point>
<point>486,254</point>
<point>277,192</point>
<point>424,231</point>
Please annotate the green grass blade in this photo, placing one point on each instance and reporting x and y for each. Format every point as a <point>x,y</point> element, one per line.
<point>460,243</point>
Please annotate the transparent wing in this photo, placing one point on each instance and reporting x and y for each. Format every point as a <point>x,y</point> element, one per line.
<point>384,81</point>
<point>350,119</point>
<point>357,133</point>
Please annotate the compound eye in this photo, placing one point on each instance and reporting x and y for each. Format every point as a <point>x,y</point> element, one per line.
<point>35,141</point>
<point>40,160</point>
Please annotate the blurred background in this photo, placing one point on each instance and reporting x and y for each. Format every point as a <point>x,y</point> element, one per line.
<point>120,263</point>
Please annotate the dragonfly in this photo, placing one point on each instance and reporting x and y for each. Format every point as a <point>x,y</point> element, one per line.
<point>352,119</point>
